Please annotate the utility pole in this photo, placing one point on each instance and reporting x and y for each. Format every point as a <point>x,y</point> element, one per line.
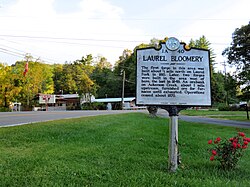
<point>225,82</point>
<point>123,87</point>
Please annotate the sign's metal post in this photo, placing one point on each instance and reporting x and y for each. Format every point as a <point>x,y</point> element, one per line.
<point>173,139</point>
<point>173,144</point>
<point>173,153</point>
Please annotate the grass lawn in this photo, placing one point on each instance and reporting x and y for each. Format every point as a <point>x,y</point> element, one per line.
<point>115,150</point>
<point>229,115</point>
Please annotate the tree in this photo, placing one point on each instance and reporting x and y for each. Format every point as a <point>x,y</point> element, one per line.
<point>224,89</point>
<point>127,64</point>
<point>58,76</point>
<point>67,83</point>
<point>217,80</point>
<point>74,77</point>
<point>38,79</point>
<point>238,54</point>
<point>231,88</point>
<point>87,63</point>
<point>102,63</point>
<point>104,78</point>
<point>203,43</point>
<point>84,85</point>
<point>17,86</point>
<point>9,85</point>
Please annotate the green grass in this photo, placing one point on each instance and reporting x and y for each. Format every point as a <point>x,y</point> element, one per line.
<point>116,150</point>
<point>229,115</point>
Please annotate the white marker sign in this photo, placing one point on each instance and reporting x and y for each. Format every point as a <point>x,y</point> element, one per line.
<point>170,76</point>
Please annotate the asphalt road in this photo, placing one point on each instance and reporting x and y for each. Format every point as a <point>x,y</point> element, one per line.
<point>203,120</point>
<point>20,118</point>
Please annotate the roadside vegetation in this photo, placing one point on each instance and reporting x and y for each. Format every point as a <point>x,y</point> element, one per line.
<point>114,150</point>
<point>228,115</point>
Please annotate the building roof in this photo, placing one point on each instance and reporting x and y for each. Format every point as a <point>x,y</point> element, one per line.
<point>113,100</point>
<point>69,96</point>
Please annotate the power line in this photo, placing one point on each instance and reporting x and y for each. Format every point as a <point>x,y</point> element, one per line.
<point>6,50</point>
<point>23,52</point>
<point>135,19</point>
<point>22,55</point>
<point>64,38</point>
<point>49,60</point>
<point>10,53</point>
<point>95,45</point>
<point>90,39</point>
<point>45,59</point>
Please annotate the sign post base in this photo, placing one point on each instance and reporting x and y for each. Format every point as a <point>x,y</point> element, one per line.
<point>173,156</point>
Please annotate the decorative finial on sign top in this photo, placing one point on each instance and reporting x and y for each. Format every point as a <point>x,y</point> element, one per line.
<point>172,44</point>
<point>165,39</point>
<point>187,47</point>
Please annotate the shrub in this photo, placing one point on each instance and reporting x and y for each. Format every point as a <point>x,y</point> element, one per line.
<point>223,107</point>
<point>93,106</point>
<point>2,109</point>
<point>228,151</point>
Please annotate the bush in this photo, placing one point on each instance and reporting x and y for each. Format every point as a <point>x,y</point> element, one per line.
<point>223,107</point>
<point>3,109</point>
<point>93,106</point>
<point>233,107</point>
<point>229,151</point>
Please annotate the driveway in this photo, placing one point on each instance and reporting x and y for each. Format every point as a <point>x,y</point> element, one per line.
<point>204,120</point>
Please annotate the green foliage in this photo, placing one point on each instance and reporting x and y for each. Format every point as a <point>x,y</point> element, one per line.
<point>17,87</point>
<point>231,88</point>
<point>224,88</point>
<point>238,54</point>
<point>4,109</point>
<point>9,85</point>
<point>107,83</point>
<point>38,79</point>
<point>68,85</point>
<point>229,151</point>
<point>95,75</point>
<point>93,106</point>
<point>219,89</point>
<point>203,43</point>
<point>126,63</point>
<point>58,78</point>
<point>223,107</point>
<point>232,114</point>
<point>74,77</point>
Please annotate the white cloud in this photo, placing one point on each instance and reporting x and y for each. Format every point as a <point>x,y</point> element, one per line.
<point>100,9</point>
<point>32,8</point>
<point>93,30</point>
<point>100,27</point>
<point>218,27</point>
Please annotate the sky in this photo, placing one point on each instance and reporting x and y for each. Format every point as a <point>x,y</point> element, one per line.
<point>56,31</point>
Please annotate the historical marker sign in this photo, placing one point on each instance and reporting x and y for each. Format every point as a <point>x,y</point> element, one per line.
<point>173,75</point>
<point>174,78</point>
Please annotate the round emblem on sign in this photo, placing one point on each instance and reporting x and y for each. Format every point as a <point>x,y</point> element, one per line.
<point>172,44</point>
